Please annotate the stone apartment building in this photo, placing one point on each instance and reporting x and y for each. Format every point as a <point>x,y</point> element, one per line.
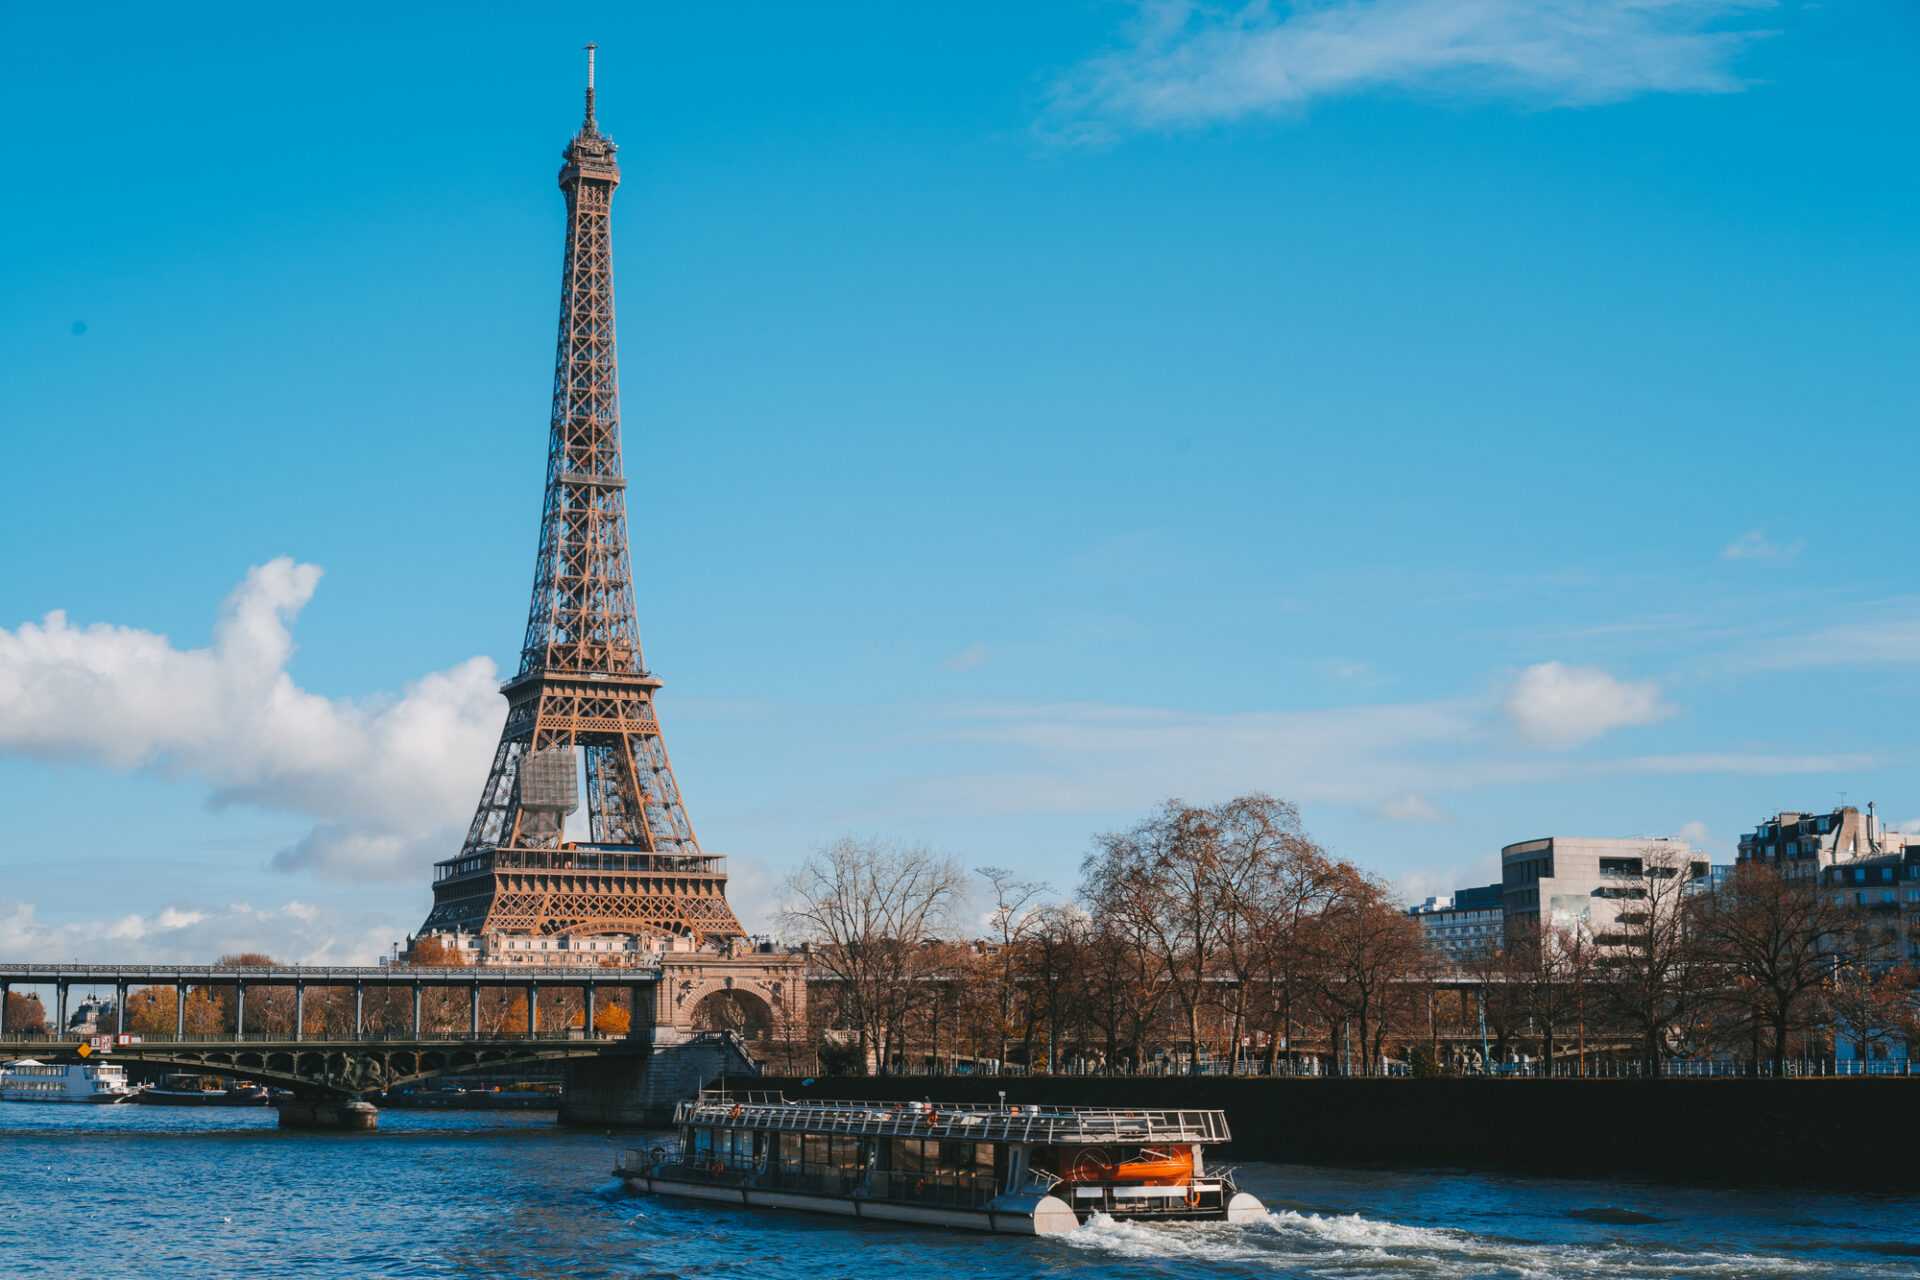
<point>1804,845</point>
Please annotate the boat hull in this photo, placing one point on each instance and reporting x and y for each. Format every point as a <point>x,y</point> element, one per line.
<point>1009,1215</point>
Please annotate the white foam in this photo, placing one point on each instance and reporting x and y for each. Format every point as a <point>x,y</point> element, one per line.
<point>1349,1246</point>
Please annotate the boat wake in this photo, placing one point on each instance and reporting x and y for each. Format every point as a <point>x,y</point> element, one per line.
<point>1286,1243</point>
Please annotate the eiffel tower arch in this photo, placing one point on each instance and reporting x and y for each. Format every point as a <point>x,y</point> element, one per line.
<point>582,731</point>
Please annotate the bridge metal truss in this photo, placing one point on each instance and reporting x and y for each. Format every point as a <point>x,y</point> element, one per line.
<point>351,1068</point>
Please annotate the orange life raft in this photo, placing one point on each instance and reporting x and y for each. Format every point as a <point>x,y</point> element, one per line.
<point>1151,1167</point>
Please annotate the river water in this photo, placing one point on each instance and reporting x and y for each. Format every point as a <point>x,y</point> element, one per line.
<point>156,1191</point>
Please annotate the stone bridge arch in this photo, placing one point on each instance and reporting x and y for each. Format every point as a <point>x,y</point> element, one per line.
<point>759,995</point>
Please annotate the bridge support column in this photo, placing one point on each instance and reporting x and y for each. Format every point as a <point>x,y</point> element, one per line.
<point>6,989</point>
<point>533,1009</point>
<point>299,1011</point>
<point>359,1004</point>
<point>60,1002</point>
<point>416,1011</point>
<point>179,1011</point>
<point>239,1008</point>
<point>586,1017</point>
<point>120,1008</point>
<point>473,1010</point>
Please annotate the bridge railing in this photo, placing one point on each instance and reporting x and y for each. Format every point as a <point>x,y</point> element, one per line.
<point>321,1038</point>
<point>326,975</point>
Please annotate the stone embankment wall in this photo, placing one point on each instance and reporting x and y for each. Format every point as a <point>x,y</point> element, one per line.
<point>1859,1133</point>
<point>640,1089</point>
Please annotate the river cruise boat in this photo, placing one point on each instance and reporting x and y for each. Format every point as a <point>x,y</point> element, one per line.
<point>28,1080</point>
<point>1022,1170</point>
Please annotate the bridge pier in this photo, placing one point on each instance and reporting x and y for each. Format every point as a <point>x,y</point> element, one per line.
<point>119,1008</point>
<point>6,989</point>
<point>239,1008</point>
<point>60,1001</point>
<point>299,1011</point>
<point>359,1002</point>
<point>339,1115</point>
<point>179,1011</point>
<point>473,1010</point>
<point>639,1089</point>
<point>416,1011</point>
<point>533,1009</point>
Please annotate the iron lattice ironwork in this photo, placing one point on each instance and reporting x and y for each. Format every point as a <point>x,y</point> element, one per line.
<point>582,685</point>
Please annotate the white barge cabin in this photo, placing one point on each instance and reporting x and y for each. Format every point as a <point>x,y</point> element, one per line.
<point>1025,1170</point>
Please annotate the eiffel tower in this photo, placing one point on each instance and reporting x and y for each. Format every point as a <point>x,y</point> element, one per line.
<point>580,709</point>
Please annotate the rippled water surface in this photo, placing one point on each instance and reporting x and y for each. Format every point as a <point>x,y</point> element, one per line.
<point>151,1191</point>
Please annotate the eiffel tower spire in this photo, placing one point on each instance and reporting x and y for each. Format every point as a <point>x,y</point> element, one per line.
<point>580,705</point>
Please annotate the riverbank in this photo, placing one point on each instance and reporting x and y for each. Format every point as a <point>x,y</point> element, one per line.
<point>1858,1133</point>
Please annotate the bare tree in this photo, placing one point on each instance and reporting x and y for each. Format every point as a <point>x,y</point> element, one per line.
<point>1773,944</point>
<point>1366,949</point>
<point>1548,967</point>
<point>1016,905</point>
<point>1164,878</point>
<point>1642,967</point>
<point>872,910</point>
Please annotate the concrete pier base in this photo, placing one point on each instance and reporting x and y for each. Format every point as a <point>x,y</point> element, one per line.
<point>639,1090</point>
<point>337,1115</point>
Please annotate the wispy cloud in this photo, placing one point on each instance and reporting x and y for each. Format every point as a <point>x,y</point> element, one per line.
<point>1411,806</point>
<point>293,933</point>
<point>1186,64</point>
<point>1557,705</point>
<point>968,659</point>
<point>1885,635</point>
<point>387,781</point>
<point>1755,545</point>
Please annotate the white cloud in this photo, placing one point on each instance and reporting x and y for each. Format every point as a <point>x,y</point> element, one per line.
<point>1694,833</point>
<point>294,933</point>
<point>1190,64</point>
<point>1561,706</point>
<point>1755,545</point>
<point>389,781</point>
<point>968,659</point>
<point>1411,806</point>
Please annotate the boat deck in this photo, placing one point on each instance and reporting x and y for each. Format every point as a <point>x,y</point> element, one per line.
<point>1081,1126</point>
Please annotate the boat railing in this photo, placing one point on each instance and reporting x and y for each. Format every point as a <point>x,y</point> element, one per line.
<point>963,1121</point>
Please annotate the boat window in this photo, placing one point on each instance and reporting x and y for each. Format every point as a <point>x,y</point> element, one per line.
<point>703,1142</point>
<point>816,1151</point>
<point>790,1152</point>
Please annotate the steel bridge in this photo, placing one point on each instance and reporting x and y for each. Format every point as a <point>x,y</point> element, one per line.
<point>359,1063</point>
<point>340,1068</point>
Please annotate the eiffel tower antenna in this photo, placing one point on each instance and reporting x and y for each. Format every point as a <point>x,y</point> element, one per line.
<point>581,723</point>
<point>591,47</point>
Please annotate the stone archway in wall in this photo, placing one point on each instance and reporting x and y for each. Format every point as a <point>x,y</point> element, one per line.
<point>733,1009</point>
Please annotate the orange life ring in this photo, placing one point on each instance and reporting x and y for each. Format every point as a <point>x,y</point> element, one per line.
<point>1193,1195</point>
<point>737,1111</point>
<point>716,1168</point>
<point>933,1118</point>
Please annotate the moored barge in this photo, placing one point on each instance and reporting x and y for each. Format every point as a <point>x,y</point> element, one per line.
<point>1022,1170</point>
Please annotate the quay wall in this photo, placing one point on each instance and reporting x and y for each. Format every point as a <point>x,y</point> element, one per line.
<point>639,1090</point>
<point>1857,1133</point>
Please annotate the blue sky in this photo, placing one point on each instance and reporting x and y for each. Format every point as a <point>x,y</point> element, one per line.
<point>1470,421</point>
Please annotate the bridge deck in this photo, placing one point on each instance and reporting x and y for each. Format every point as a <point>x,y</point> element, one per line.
<point>384,975</point>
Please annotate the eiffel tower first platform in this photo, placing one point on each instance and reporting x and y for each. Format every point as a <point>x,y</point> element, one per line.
<point>581,723</point>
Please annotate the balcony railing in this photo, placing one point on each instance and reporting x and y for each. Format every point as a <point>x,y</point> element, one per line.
<point>581,858</point>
